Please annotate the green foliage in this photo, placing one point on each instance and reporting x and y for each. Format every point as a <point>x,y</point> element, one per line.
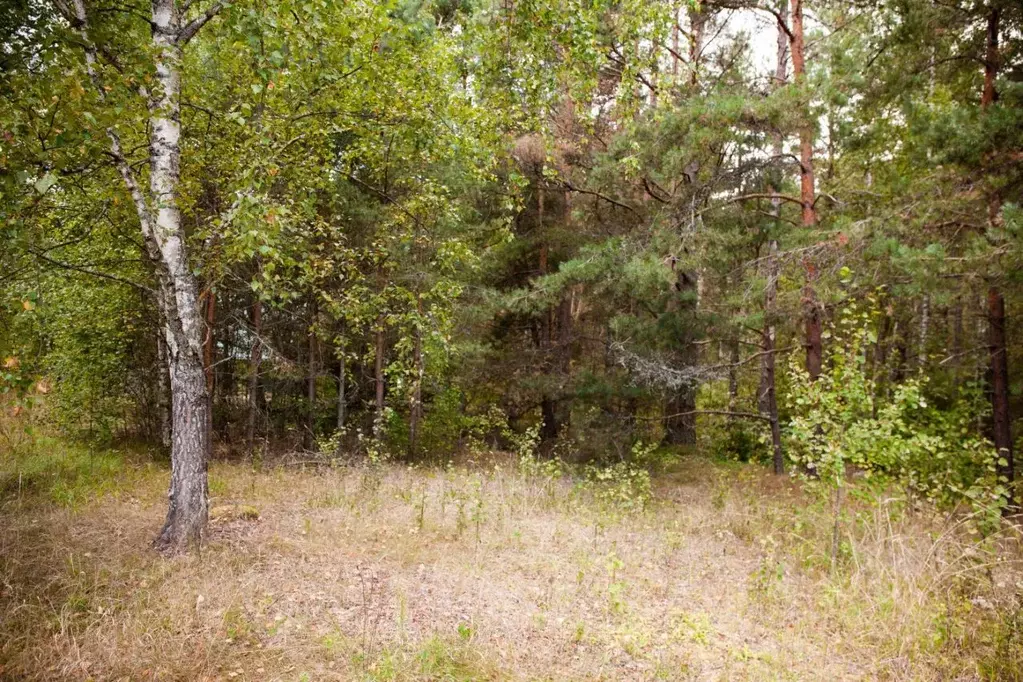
<point>843,420</point>
<point>623,486</point>
<point>63,473</point>
<point>737,440</point>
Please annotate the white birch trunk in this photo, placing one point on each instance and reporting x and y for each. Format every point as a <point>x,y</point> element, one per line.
<point>177,293</point>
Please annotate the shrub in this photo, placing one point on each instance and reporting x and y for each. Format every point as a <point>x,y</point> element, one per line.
<point>843,420</point>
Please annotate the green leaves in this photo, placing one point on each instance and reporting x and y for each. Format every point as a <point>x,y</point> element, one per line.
<point>45,183</point>
<point>845,420</point>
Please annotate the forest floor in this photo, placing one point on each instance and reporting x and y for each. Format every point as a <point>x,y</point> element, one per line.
<point>478,572</point>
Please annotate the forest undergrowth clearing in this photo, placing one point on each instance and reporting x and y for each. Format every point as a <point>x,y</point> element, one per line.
<point>481,572</point>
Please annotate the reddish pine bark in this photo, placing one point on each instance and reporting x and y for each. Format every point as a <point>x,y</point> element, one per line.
<point>807,195</point>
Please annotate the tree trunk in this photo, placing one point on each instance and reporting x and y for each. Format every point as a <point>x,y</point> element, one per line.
<point>697,22</point>
<point>957,341</point>
<point>675,31</point>
<point>209,348</point>
<point>564,403</point>
<point>378,376</point>
<point>768,378</point>
<point>255,359</point>
<point>680,422</point>
<point>991,59</point>
<point>1001,431</point>
<point>342,385</point>
<point>807,196</point>
<point>879,371</point>
<point>769,394</point>
<point>188,496</point>
<point>1001,419</point>
<point>309,435</point>
<point>733,374</point>
<point>164,239</point>
<point>416,408</point>
<point>163,402</point>
<point>925,328</point>
<point>551,426</point>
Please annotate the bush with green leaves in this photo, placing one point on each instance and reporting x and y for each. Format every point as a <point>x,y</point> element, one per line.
<point>625,485</point>
<point>843,420</point>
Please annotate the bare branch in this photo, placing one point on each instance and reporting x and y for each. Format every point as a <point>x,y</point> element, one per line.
<point>565,185</point>
<point>723,413</point>
<point>85,271</point>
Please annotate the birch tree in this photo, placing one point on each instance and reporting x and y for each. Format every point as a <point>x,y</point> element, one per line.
<point>163,236</point>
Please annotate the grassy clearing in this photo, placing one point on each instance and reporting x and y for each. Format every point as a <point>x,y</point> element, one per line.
<point>479,572</point>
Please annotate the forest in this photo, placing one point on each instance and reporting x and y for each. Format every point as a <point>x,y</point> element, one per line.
<point>511,340</point>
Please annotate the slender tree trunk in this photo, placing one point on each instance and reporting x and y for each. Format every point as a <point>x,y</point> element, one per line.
<point>806,180</point>
<point>416,408</point>
<point>879,373</point>
<point>342,385</point>
<point>378,376</point>
<point>807,195</point>
<point>957,341</point>
<point>675,31</point>
<point>733,374</point>
<point>768,381</point>
<point>255,360</point>
<point>991,58</point>
<point>309,435</point>
<point>163,403</point>
<point>1002,425</point>
<point>1001,418</point>
<point>925,327</point>
<point>551,426</point>
<point>697,22</point>
<point>209,348</point>
<point>769,393</point>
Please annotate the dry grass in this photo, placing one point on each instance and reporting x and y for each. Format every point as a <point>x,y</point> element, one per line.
<point>476,572</point>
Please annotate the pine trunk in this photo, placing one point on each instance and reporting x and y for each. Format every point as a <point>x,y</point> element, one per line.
<point>680,420</point>
<point>925,328</point>
<point>957,341</point>
<point>807,192</point>
<point>733,374</point>
<point>768,393</point>
<point>1001,419</point>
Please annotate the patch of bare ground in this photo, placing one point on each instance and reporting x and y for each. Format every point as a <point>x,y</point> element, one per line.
<point>396,573</point>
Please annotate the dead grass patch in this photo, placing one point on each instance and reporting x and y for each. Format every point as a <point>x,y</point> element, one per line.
<point>463,573</point>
